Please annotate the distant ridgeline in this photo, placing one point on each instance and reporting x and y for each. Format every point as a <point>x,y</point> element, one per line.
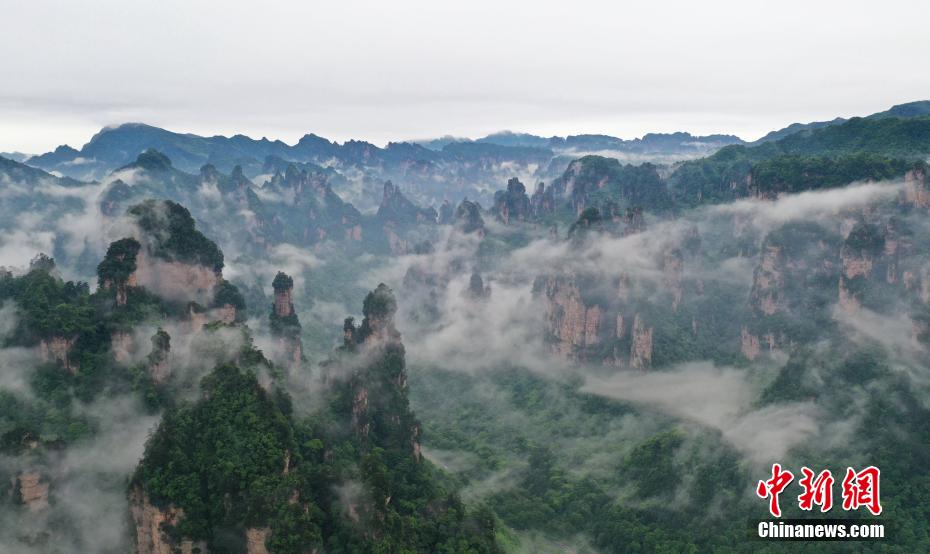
<point>253,195</point>
<point>243,467</point>
<point>426,163</point>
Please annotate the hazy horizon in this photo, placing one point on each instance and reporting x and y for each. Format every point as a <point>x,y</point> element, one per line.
<point>292,138</point>
<point>416,70</point>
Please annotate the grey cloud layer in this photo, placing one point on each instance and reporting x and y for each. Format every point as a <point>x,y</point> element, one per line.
<point>363,69</point>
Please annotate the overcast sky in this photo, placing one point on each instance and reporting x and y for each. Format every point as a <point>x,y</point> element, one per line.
<point>384,70</point>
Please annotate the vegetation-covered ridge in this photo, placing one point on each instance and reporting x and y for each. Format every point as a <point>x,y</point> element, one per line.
<point>348,477</point>
<point>174,235</point>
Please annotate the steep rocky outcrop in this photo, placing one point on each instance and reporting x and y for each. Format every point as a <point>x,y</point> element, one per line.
<point>227,313</point>
<point>446,213</point>
<point>379,389</point>
<point>468,218</point>
<point>586,180</point>
<point>512,204</point>
<point>58,349</point>
<point>236,194</point>
<point>542,202</point>
<point>398,215</point>
<point>197,316</point>
<point>477,290</point>
<point>378,327</point>
<point>916,189</point>
<point>122,346</point>
<point>255,540</point>
<point>159,365</point>
<point>590,220</point>
<point>118,270</point>
<point>795,262</point>
<point>283,286</point>
<point>176,280</point>
<point>308,211</point>
<point>571,186</point>
<point>396,207</point>
<point>768,281</point>
<point>862,246</point>
<point>396,244</point>
<point>571,323</point>
<point>897,245</point>
<point>216,468</point>
<point>641,344</point>
<point>115,198</point>
<point>31,489</point>
<point>582,327</point>
<point>168,269</point>
<point>749,344</point>
<point>152,527</point>
<point>284,322</point>
<point>168,257</point>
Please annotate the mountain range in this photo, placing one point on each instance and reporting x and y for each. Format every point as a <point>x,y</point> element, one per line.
<point>510,344</point>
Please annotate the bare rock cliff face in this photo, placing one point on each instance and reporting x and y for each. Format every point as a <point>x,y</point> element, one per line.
<point>397,214</point>
<point>197,319</point>
<point>898,248</point>
<point>396,244</point>
<point>769,296</point>
<point>149,523</point>
<point>174,280</point>
<point>122,346</point>
<point>58,349</point>
<point>285,324</point>
<point>572,189</point>
<point>916,190</point>
<point>382,330</point>
<point>749,345</point>
<point>768,282</point>
<point>354,233</point>
<point>580,330</point>
<point>32,490</point>
<point>543,201</point>
<point>226,313</point>
<point>641,346</point>
<point>592,325</point>
<point>856,267</point>
<point>571,324</point>
<point>255,540</point>
<point>360,412</point>
<point>283,301</point>
<point>512,204</point>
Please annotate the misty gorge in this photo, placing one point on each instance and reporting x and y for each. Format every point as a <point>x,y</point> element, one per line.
<point>225,345</point>
<point>389,327</point>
